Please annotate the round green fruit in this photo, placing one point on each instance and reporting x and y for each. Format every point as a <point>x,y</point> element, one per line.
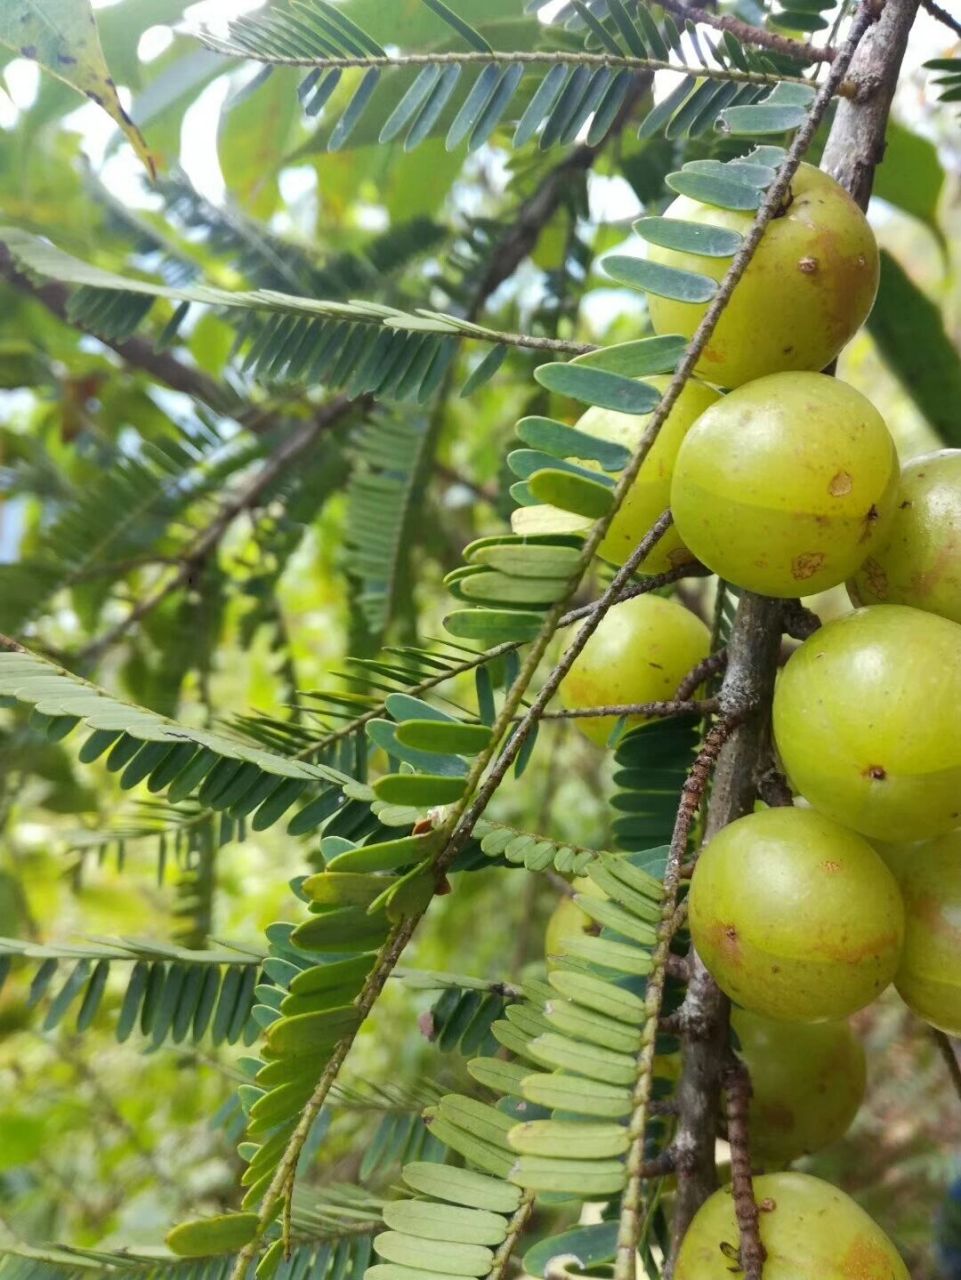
<point>568,920</point>
<point>796,918</point>
<point>811,1231</point>
<point>640,652</point>
<point>784,486</point>
<point>929,976</point>
<point>866,716</point>
<point>807,1079</point>
<point>649,495</point>
<point>805,293</point>
<point>919,561</point>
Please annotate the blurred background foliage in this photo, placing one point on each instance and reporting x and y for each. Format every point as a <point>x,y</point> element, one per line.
<point>114,462</point>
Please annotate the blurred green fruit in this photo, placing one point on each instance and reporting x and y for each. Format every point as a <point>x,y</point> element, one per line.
<point>919,560</point>
<point>649,495</point>
<point>640,652</point>
<point>807,1079</point>
<point>811,1231</point>
<point>796,917</point>
<point>866,716</point>
<point>567,920</point>
<point>929,976</point>
<point>806,292</point>
<point>785,485</point>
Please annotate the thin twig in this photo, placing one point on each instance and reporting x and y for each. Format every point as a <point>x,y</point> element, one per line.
<point>505,57</point>
<point>205,543</point>
<point>950,1058</point>
<point>692,793</point>
<point>712,665</point>
<point>941,15</point>
<point>515,1228</point>
<point>492,654</point>
<point>747,33</point>
<point>737,1094</point>
<point>281,1183</point>
<point>665,707</point>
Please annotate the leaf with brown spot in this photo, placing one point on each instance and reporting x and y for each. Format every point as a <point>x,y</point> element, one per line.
<point>62,36</point>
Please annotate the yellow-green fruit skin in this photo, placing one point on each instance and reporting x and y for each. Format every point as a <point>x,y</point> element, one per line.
<point>811,1231</point>
<point>929,976</point>
<point>796,917</point>
<point>866,716</point>
<point>786,485</point>
<point>919,561</point>
<point>806,292</point>
<point>640,652</point>
<point>650,494</point>
<point>567,920</point>
<point>807,1083</point>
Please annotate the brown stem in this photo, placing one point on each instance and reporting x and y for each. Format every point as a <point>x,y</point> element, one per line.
<point>941,15</point>
<point>712,665</point>
<point>664,707</point>
<point>692,793</point>
<point>946,1048</point>
<point>799,622</point>
<point>737,1093</point>
<point>747,33</point>
<point>749,680</point>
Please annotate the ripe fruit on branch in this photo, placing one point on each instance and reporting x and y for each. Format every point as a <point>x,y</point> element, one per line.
<point>919,560</point>
<point>805,293</point>
<point>795,917</point>
<point>640,652</point>
<point>929,976</point>
<point>807,1080</point>
<point>649,495</point>
<point>866,716</point>
<point>785,485</point>
<point>811,1231</point>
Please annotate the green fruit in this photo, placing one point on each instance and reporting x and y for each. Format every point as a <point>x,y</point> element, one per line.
<point>929,976</point>
<point>649,495</point>
<point>866,716</point>
<point>785,485</point>
<point>806,292</point>
<point>567,920</point>
<point>640,652</point>
<point>811,1231</point>
<point>796,918</point>
<point>919,561</point>
<point>807,1080</point>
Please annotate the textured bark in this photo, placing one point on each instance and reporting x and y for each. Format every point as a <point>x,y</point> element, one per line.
<point>854,149</point>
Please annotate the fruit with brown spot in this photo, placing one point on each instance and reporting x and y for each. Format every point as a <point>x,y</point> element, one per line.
<point>919,560</point>
<point>807,1083</point>
<point>796,917</point>
<point>866,716</point>
<point>806,292</point>
<point>786,485</point>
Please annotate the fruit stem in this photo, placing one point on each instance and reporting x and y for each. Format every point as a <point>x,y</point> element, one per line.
<point>737,1097</point>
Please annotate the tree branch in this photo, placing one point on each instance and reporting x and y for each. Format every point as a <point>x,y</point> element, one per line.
<point>737,1093</point>
<point>138,353</point>
<point>941,15</point>
<point>246,497</point>
<point>749,34</point>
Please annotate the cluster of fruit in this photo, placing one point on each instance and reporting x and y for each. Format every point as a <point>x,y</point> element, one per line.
<point>787,485</point>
